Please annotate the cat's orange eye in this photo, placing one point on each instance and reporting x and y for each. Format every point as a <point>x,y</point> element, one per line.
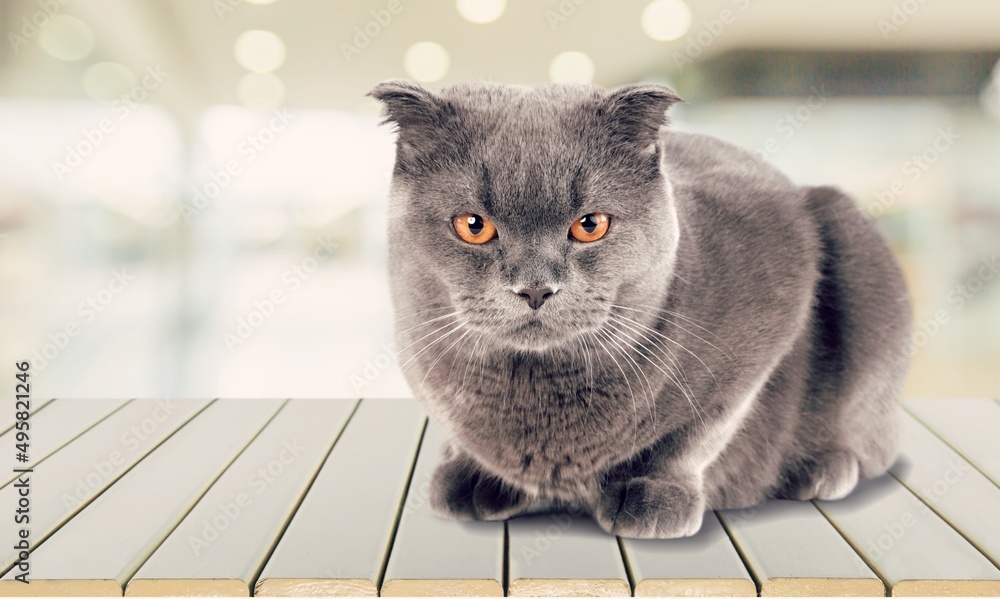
<point>590,227</point>
<point>474,229</point>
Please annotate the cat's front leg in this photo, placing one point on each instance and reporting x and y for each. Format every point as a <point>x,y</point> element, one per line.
<point>461,490</point>
<point>651,507</point>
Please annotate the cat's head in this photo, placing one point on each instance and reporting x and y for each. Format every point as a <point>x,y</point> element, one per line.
<point>530,210</point>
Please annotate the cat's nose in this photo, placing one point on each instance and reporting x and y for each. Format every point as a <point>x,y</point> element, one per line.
<point>536,296</point>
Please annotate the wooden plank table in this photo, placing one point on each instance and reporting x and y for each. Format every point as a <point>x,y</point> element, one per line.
<point>556,555</point>
<point>948,484</point>
<point>436,557</point>
<point>98,551</point>
<point>794,551</point>
<point>705,565</point>
<point>125,491</point>
<point>910,547</point>
<point>55,426</point>
<point>223,542</point>
<point>327,549</point>
<point>8,417</point>
<point>92,462</point>
<point>968,425</point>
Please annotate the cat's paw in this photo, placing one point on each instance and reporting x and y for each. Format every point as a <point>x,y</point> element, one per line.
<point>647,508</point>
<point>831,476</point>
<point>461,491</point>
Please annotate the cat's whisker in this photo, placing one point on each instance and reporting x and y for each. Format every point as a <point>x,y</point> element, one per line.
<point>674,365</point>
<point>588,363</point>
<point>669,373</point>
<point>628,340</point>
<point>468,362</point>
<point>579,352</point>
<point>669,311</point>
<point>677,372</point>
<point>731,354</point>
<point>445,326</point>
<point>482,362</point>
<point>634,365</point>
<point>591,359</point>
<point>443,354</point>
<point>424,308</point>
<point>674,358</point>
<point>454,327</point>
<point>669,354</point>
<point>728,353</point>
<point>659,334</point>
<point>427,322</point>
<point>454,360</point>
<point>635,408</point>
<point>656,311</point>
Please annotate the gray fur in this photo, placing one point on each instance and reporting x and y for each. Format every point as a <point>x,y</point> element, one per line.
<point>756,350</point>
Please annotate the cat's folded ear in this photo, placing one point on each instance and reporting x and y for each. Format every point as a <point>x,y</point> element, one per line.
<point>636,112</point>
<point>409,105</point>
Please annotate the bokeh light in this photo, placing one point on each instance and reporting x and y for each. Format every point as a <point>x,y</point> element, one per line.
<point>666,20</point>
<point>481,11</point>
<point>66,38</point>
<point>571,66</point>
<point>259,51</point>
<point>426,61</point>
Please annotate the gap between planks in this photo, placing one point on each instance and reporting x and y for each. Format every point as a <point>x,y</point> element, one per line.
<point>402,506</point>
<point>252,583</point>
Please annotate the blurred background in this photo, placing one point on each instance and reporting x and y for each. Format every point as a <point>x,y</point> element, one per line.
<point>193,193</point>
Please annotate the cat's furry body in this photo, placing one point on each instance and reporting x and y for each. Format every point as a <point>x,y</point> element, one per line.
<point>735,337</point>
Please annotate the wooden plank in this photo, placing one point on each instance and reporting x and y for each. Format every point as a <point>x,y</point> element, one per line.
<point>705,565</point>
<point>55,426</point>
<point>99,550</point>
<point>8,416</point>
<point>558,555</point>
<point>911,548</point>
<point>946,482</point>
<point>432,556</point>
<point>91,463</point>
<point>327,549</point>
<point>793,550</point>
<point>221,545</point>
<point>969,425</point>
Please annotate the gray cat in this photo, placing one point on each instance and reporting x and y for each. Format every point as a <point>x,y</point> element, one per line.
<point>607,316</point>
